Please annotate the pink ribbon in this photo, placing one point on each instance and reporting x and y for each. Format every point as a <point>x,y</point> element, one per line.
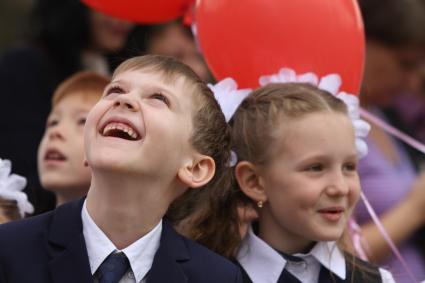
<point>356,237</point>
<point>392,131</point>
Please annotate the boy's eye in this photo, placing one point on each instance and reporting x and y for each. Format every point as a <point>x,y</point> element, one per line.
<point>114,89</point>
<point>81,121</point>
<point>161,97</point>
<point>51,123</point>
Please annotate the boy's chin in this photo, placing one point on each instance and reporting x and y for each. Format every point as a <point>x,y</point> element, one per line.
<point>114,166</point>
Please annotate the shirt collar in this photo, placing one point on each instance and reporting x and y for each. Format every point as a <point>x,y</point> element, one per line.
<point>140,254</point>
<point>330,256</point>
<point>264,264</point>
<point>260,261</point>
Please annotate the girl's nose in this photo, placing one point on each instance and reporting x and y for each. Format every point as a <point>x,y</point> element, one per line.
<point>338,185</point>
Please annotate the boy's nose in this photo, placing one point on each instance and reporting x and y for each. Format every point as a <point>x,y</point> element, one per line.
<point>55,134</point>
<point>127,102</point>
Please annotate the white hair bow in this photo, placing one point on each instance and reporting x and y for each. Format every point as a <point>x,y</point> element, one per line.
<point>11,186</point>
<point>330,83</point>
<point>229,97</point>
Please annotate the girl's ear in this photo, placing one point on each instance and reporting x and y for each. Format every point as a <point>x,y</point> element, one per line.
<point>250,182</point>
<point>198,173</point>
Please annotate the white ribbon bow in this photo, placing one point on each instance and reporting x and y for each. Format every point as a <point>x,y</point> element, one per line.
<point>228,95</point>
<point>11,186</point>
<point>330,83</point>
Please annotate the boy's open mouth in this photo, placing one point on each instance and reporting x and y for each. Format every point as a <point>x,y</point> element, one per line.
<point>120,130</point>
<point>54,155</point>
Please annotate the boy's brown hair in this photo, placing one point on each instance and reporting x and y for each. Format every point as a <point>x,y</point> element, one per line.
<point>211,133</point>
<point>84,83</point>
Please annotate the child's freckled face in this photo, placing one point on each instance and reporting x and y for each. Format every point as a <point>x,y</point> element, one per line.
<point>312,185</point>
<point>142,125</point>
<point>61,151</point>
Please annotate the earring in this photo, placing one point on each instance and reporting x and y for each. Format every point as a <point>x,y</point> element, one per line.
<point>260,204</point>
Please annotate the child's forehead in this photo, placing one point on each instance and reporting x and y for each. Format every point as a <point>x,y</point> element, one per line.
<point>151,75</point>
<point>77,100</point>
<point>151,80</point>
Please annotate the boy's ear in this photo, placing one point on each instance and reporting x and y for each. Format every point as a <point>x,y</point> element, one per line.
<point>197,173</point>
<point>250,181</point>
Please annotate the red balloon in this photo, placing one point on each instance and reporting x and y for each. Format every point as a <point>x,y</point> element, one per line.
<point>142,11</point>
<point>245,39</point>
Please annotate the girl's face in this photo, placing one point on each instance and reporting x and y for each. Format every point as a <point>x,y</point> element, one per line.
<point>311,185</point>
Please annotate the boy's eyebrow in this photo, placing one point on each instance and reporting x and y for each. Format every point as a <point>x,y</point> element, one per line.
<point>150,88</point>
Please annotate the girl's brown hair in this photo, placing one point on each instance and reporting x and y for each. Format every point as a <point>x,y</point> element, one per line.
<point>215,223</point>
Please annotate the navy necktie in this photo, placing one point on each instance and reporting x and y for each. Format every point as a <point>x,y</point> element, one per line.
<point>286,276</point>
<point>113,268</point>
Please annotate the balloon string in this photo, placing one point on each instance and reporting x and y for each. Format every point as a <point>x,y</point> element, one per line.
<point>413,143</point>
<point>387,237</point>
<point>392,131</point>
<point>356,238</point>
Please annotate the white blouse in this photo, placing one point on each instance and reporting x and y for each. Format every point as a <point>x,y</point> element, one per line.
<point>263,264</point>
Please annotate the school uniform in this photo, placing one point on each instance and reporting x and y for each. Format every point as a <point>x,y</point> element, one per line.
<point>55,247</point>
<point>325,263</point>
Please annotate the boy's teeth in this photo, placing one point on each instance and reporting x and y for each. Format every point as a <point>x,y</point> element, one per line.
<point>121,127</point>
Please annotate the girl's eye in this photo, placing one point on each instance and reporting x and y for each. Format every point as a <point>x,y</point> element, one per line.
<point>161,97</point>
<point>315,168</point>
<point>351,166</point>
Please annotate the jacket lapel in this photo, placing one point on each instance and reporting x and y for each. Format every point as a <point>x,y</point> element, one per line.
<point>67,247</point>
<point>166,264</point>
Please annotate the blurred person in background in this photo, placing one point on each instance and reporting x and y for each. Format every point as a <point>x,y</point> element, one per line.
<point>65,37</point>
<point>171,39</point>
<point>408,110</point>
<point>395,41</point>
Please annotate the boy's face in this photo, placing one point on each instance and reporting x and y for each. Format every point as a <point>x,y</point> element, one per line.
<point>61,151</point>
<point>142,126</point>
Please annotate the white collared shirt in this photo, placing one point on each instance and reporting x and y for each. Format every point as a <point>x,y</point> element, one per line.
<point>263,264</point>
<point>140,254</point>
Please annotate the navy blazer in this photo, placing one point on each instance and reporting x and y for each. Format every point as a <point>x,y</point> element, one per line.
<point>51,248</point>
